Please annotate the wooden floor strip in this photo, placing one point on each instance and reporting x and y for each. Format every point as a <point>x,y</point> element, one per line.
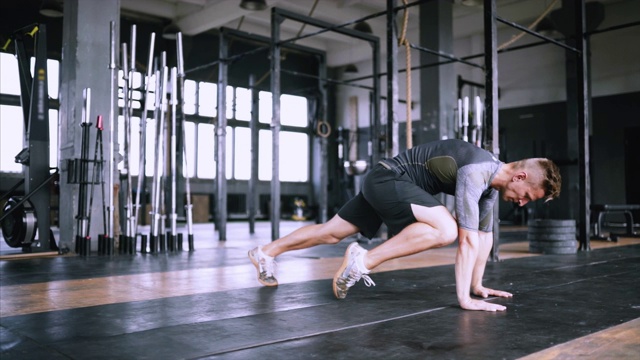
<point>69,294</point>
<point>619,342</point>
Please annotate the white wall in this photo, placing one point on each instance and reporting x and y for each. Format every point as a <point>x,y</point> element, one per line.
<point>526,77</point>
<point>537,75</point>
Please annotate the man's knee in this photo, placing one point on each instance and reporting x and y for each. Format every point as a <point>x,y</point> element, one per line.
<point>448,233</point>
<point>328,239</point>
<point>325,234</point>
<point>436,236</point>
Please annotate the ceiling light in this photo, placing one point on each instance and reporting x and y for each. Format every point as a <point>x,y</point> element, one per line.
<point>170,31</point>
<point>351,68</point>
<point>364,27</point>
<point>51,8</point>
<point>253,5</point>
<point>472,2</point>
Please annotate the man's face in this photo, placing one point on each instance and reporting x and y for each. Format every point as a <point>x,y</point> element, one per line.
<point>521,192</point>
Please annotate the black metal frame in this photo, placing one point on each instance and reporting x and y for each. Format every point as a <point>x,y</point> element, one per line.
<point>490,18</point>
<point>221,183</point>
<point>35,106</point>
<point>277,16</point>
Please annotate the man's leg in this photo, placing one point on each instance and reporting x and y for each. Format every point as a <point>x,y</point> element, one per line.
<point>308,236</point>
<point>435,227</point>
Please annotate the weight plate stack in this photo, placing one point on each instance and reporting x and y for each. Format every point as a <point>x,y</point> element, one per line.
<point>548,236</point>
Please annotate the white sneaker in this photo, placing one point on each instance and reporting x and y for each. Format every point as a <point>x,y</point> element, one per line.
<point>265,265</point>
<point>349,273</point>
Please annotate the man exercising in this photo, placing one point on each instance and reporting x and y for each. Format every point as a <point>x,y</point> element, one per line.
<point>400,192</point>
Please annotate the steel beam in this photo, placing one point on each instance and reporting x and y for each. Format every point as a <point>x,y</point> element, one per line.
<point>491,102</point>
<point>221,137</point>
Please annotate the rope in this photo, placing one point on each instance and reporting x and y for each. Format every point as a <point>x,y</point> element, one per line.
<point>530,27</point>
<point>313,8</point>
<point>405,42</point>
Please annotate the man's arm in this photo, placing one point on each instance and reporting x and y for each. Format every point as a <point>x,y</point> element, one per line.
<point>485,245</point>
<point>466,258</point>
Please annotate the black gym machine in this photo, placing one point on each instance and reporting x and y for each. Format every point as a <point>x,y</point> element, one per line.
<point>25,219</point>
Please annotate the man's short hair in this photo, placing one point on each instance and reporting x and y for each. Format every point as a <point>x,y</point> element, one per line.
<point>545,174</point>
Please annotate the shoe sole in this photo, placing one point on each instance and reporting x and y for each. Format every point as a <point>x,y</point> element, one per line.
<point>345,262</point>
<point>255,263</point>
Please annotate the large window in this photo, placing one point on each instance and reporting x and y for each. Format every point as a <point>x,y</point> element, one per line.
<point>294,146</point>
<point>12,134</point>
<point>200,106</point>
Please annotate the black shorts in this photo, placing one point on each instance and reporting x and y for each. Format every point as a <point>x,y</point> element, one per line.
<point>386,196</point>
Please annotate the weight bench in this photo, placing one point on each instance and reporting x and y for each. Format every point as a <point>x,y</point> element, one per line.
<point>600,210</point>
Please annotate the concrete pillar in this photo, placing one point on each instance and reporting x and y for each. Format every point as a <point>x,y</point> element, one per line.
<point>85,64</point>
<point>437,83</point>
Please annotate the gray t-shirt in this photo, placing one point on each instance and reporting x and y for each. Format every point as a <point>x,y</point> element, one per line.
<point>458,168</point>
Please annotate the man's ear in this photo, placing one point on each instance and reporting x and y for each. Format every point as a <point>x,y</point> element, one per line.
<point>520,176</point>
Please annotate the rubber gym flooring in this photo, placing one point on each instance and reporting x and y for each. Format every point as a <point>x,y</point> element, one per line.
<point>207,304</point>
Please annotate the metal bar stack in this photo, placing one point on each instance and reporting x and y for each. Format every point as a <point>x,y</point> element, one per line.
<point>109,234</point>
<point>104,247</point>
<point>169,120</point>
<point>156,236</point>
<point>143,146</point>
<point>180,105</point>
<point>469,124</point>
<point>83,240</point>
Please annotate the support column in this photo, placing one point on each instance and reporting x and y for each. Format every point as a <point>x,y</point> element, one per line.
<point>491,104</point>
<point>323,196</point>
<point>275,125</point>
<point>437,83</point>
<point>393,147</point>
<point>221,140</point>
<point>578,101</point>
<point>253,126</point>
<point>85,64</point>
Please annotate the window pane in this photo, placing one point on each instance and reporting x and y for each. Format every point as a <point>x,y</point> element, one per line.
<point>134,146</point>
<point>242,154</point>
<point>293,110</point>
<point>294,156</point>
<point>228,166</point>
<point>190,147</point>
<point>206,146</point>
<point>121,131</point>
<point>150,147</point>
<point>10,83</point>
<point>137,81</point>
<point>53,77</point>
<point>243,104</point>
<point>53,138</point>
<point>207,99</point>
<point>229,102</point>
<point>11,137</point>
<point>265,107</point>
<point>189,97</point>
<point>264,155</point>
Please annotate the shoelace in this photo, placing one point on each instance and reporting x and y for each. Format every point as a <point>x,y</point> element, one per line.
<point>367,280</point>
<point>269,267</point>
<point>356,275</point>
